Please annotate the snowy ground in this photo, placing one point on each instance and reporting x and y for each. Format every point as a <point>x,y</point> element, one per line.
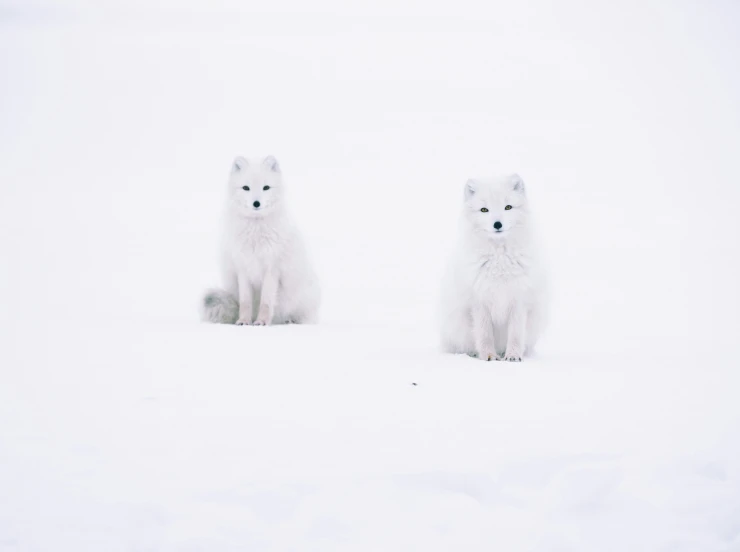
<point>127,425</point>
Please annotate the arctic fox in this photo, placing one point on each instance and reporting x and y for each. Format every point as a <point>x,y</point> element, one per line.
<point>266,272</point>
<point>493,297</point>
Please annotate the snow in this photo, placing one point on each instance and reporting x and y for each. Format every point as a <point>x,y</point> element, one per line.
<point>125,424</point>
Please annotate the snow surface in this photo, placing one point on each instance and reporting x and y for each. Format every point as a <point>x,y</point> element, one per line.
<point>127,425</point>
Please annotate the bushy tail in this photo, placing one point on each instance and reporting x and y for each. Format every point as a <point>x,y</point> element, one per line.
<point>219,306</point>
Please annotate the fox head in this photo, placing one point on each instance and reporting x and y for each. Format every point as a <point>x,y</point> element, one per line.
<point>496,207</point>
<point>255,188</point>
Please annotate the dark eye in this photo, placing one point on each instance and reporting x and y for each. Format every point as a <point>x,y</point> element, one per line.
<point>245,188</point>
<point>266,188</point>
<point>507,208</point>
<point>484,210</point>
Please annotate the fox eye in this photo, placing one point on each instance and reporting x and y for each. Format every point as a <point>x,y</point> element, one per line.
<point>266,188</point>
<point>507,208</point>
<point>484,210</point>
<point>245,188</point>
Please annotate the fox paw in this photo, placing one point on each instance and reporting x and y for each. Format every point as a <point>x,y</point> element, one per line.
<point>488,356</point>
<point>513,356</point>
<point>259,322</point>
<point>243,322</point>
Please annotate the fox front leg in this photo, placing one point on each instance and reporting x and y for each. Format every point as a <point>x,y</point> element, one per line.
<point>483,333</point>
<point>267,299</point>
<point>245,301</point>
<point>516,330</point>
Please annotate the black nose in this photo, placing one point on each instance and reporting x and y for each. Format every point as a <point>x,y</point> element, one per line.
<point>497,225</point>
<point>256,204</point>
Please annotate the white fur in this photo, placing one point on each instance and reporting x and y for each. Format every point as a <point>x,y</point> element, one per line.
<point>493,297</point>
<point>267,276</point>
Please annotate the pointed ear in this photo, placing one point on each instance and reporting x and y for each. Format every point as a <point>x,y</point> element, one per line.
<point>517,182</point>
<point>469,189</point>
<point>239,164</point>
<point>271,163</point>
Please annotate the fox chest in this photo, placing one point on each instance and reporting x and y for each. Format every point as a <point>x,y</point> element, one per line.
<point>254,262</point>
<point>499,282</point>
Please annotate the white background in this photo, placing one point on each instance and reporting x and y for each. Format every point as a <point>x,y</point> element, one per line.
<point>125,424</point>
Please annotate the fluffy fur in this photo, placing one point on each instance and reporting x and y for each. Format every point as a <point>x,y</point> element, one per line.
<point>267,276</point>
<point>493,297</point>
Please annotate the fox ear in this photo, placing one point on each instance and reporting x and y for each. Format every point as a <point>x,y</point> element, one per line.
<point>239,164</point>
<point>517,182</point>
<point>271,163</point>
<point>469,189</point>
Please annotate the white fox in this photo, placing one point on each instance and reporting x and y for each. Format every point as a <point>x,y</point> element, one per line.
<point>267,276</point>
<point>493,297</point>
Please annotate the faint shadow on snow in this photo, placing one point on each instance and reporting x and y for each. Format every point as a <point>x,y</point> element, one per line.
<point>569,482</point>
